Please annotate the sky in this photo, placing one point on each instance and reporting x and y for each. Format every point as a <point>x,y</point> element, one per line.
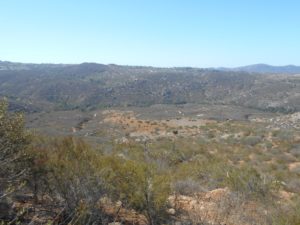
<point>164,33</point>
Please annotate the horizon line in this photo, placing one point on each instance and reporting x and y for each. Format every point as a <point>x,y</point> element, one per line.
<point>153,66</point>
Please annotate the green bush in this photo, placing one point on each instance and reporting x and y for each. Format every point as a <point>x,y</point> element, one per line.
<point>139,186</point>
<point>248,182</point>
<point>81,176</point>
<point>74,175</point>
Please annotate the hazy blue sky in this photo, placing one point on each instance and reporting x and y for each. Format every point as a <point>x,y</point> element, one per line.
<point>200,33</point>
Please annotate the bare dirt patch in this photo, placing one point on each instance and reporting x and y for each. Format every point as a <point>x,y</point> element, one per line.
<point>181,126</point>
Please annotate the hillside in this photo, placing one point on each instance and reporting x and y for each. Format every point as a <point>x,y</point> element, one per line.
<point>40,87</point>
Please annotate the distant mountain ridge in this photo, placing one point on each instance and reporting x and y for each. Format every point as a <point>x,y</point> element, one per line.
<point>265,68</point>
<point>255,68</point>
<point>7,65</point>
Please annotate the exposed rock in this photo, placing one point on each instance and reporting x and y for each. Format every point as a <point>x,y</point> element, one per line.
<point>286,121</point>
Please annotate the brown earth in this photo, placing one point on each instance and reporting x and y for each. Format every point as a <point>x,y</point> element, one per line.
<point>154,128</point>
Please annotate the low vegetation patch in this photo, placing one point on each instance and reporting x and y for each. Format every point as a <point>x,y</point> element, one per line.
<point>236,171</point>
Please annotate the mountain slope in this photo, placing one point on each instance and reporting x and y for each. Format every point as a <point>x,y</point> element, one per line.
<point>36,87</point>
